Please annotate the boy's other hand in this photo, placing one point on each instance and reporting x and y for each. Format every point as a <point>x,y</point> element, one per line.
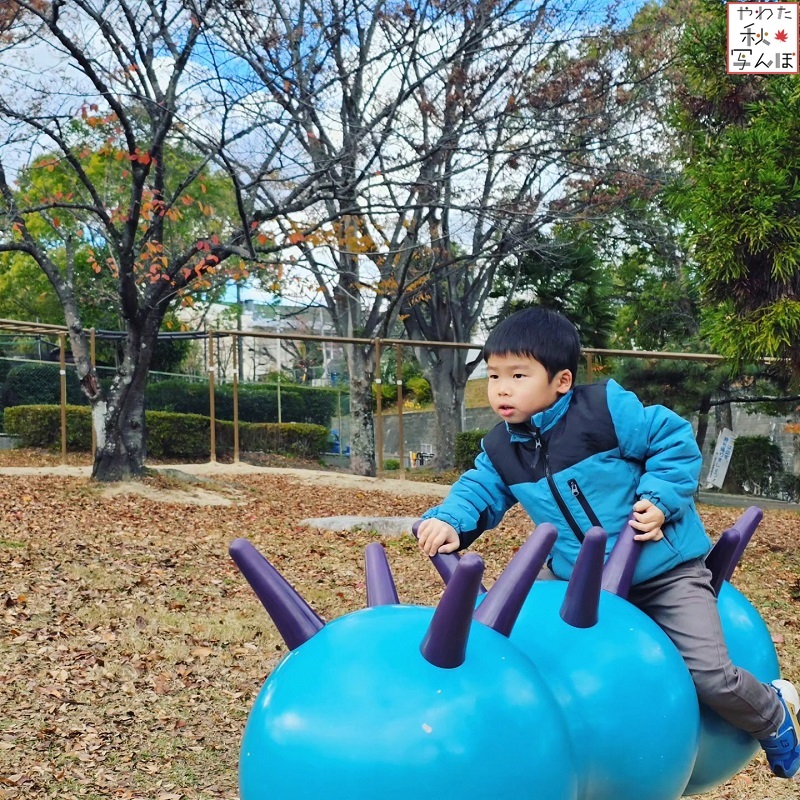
<point>647,518</point>
<point>436,536</point>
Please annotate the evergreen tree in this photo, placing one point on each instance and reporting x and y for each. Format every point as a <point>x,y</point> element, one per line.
<point>739,196</point>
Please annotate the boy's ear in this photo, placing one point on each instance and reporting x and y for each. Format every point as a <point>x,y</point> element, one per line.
<point>563,381</point>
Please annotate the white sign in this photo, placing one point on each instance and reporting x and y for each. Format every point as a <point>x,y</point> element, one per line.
<point>722,458</point>
<point>762,38</point>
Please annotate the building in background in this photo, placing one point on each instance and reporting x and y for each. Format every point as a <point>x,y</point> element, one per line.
<point>318,363</point>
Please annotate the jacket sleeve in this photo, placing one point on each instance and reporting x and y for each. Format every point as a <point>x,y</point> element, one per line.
<point>476,503</point>
<point>664,444</point>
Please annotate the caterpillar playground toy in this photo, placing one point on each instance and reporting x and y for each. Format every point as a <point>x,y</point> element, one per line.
<point>552,690</point>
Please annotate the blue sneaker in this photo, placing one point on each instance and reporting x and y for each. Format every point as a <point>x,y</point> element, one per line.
<point>783,747</point>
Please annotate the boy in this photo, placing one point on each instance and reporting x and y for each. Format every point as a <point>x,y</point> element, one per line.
<point>579,456</point>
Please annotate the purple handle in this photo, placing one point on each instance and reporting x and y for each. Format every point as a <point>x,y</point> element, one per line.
<point>622,561</point>
<point>381,590</point>
<point>501,606</point>
<point>746,525</point>
<point>444,563</point>
<point>723,556</point>
<point>582,600</point>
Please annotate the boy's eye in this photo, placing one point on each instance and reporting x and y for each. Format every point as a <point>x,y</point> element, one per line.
<point>519,375</point>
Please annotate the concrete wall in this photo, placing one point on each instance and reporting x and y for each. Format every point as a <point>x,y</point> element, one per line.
<point>773,428</point>
<point>419,429</point>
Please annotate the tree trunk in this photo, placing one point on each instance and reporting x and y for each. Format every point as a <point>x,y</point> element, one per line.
<point>724,419</point>
<point>123,452</point>
<point>362,432</point>
<point>702,420</point>
<point>119,421</point>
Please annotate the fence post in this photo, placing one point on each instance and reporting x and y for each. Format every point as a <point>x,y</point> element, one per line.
<point>401,445</point>
<point>211,406</point>
<point>339,414</point>
<point>62,357</point>
<point>379,398</point>
<point>237,341</point>
<point>279,361</point>
<point>93,360</point>
<point>589,367</point>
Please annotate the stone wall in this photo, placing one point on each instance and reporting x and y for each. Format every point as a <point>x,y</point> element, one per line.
<point>419,431</point>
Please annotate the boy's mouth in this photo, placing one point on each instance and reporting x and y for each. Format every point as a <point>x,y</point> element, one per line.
<point>505,411</point>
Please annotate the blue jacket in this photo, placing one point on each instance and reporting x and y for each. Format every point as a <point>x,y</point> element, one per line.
<point>583,462</point>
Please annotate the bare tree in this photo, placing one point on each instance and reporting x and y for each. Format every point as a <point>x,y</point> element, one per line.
<point>439,138</point>
<point>135,73</point>
<point>377,102</point>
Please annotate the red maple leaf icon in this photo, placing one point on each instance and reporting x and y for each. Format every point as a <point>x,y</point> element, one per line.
<point>781,36</point>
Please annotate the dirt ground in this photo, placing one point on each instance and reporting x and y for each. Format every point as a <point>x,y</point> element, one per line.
<point>132,649</point>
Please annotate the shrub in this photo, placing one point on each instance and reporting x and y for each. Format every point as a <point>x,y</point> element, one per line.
<point>294,438</point>
<point>185,397</point>
<point>257,402</point>
<point>420,389</point>
<point>468,446</point>
<point>391,464</point>
<point>388,394</point>
<point>169,435</point>
<point>39,384</point>
<point>756,465</point>
<point>6,364</point>
<point>40,426</point>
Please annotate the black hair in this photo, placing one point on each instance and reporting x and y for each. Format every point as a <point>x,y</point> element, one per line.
<point>538,333</point>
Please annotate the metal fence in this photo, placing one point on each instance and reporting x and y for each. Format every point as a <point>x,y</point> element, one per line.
<point>282,360</point>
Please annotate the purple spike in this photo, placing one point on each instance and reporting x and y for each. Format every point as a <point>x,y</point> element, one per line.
<point>582,599</point>
<point>444,563</point>
<point>445,643</point>
<point>722,558</point>
<point>502,605</point>
<point>380,585</point>
<point>746,525</point>
<point>293,617</point>
<point>622,561</point>
<point>261,563</point>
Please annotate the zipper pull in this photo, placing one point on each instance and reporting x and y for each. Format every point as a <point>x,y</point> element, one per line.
<point>574,488</point>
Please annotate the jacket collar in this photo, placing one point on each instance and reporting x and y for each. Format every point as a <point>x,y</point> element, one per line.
<point>541,421</point>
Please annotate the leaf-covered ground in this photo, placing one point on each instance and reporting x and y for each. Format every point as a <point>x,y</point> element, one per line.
<point>131,649</point>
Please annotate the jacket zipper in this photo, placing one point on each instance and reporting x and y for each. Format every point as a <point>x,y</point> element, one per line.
<point>562,506</point>
<point>581,498</point>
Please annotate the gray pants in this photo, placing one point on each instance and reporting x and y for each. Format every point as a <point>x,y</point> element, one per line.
<point>684,605</point>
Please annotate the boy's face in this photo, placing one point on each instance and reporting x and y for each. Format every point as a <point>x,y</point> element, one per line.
<point>519,387</point>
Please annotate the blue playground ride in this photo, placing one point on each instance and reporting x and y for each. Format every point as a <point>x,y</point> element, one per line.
<point>541,689</point>
<point>398,701</point>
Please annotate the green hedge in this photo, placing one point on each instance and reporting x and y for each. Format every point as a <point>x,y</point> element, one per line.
<point>169,435</point>
<point>756,466</point>
<point>40,426</point>
<point>468,446</point>
<point>39,384</point>
<point>257,402</point>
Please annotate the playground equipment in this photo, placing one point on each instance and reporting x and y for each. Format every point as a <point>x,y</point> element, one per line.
<point>399,701</point>
<point>540,690</point>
